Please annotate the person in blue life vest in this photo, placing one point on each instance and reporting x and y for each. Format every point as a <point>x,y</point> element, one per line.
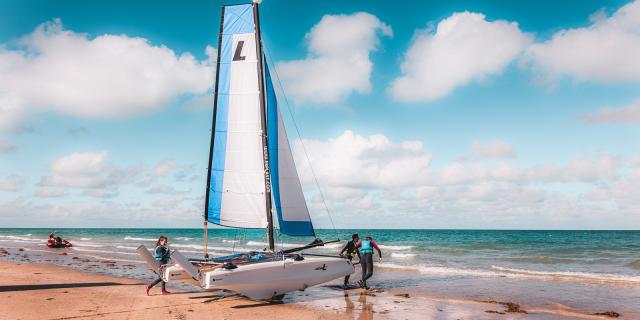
<point>365,247</point>
<point>162,255</point>
<point>349,251</point>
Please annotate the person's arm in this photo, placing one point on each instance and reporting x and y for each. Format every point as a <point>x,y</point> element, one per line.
<point>344,248</point>
<point>373,243</point>
<point>357,248</point>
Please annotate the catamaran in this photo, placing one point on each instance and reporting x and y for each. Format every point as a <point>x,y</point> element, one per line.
<point>251,175</point>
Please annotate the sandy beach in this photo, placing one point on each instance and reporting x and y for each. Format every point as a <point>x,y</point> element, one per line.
<point>37,291</point>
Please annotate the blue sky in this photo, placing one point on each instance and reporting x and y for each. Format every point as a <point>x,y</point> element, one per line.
<point>473,114</point>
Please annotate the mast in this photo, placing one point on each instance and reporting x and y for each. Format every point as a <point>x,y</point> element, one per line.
<point>263,115</point>
<point>213,134</point>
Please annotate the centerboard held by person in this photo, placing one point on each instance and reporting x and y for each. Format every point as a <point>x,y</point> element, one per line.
<point>162,254</point>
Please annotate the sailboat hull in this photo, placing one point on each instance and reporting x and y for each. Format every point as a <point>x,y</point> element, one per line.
<point>269,279</point>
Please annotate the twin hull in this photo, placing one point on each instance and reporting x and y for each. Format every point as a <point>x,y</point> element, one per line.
<point>266,280</point>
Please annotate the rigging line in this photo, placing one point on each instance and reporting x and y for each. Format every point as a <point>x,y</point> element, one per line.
<point>235,238</point>
<point>244,236</point>
<point>304,148</point>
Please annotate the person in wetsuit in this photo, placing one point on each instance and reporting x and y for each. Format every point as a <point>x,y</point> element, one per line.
<point>366,259</point>
<point>162,255</point>
<point>351,251</point>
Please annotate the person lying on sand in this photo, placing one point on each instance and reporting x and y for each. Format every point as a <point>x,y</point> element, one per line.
<point>162,255</point>
<point>366,259</point>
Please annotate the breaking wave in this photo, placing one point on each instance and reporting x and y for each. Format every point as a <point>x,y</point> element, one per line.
<point>403,255</point>
<point>390,247</point>
<point>497,271</point>
<point>139,239</point>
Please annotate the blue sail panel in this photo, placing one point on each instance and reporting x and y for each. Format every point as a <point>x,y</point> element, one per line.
<point>288,198</point>
<point>236,194</point>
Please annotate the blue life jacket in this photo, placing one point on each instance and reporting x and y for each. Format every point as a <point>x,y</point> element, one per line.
<point>162,253</point>
<point>366,247</point>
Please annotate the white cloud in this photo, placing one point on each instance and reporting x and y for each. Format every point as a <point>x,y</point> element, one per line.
<point>166,203</point>
<point>165,189</point>
<point>580,169</point>
<point>6,147</point>
<point>629,114</point>
<point>12,183</point>
<point>375,179</point>
<point>163,168</point>
<point>79,170</point>
<point>587,169</point>
<point>463,48</point>
<point>338,59</point>
<point>354,161</point>
<point>492,150</point>
<point>605,51</point>
<point>90,170</point>
<point>109,76</point>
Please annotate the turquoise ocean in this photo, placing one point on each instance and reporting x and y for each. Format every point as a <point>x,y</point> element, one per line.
<point>582,269</point>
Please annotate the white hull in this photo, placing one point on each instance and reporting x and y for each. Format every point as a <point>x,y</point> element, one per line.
<point>266,280</point>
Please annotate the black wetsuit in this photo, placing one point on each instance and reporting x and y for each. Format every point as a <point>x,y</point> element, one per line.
<point>366,261</point>
<point>350,249</point>
<point>162,254</point>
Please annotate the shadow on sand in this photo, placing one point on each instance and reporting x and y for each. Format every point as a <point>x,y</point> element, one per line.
<point>26,287</point>
<point>258,304</point>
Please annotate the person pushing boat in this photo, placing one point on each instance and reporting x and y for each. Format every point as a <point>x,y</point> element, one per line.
<point>366,259</point>
<point>349,251</point>
<point>162,254</point>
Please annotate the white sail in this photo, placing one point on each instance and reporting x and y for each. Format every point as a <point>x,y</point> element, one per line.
<point>289,202</point>
<point>236,195</point>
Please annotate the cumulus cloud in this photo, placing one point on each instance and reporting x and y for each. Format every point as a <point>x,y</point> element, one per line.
<point>464,47</point>
<point>494,149</point>
<point>89,170</point>
<point>12,183</point>
<point>338,61</point>
<point>163,168</point>
<point>352,161</point>
<point>580,169</point>
<point>109,76</point>
<point>626,115</point>
<point>395,182</point>
<point>605,51</point>
<point>165,189</point>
